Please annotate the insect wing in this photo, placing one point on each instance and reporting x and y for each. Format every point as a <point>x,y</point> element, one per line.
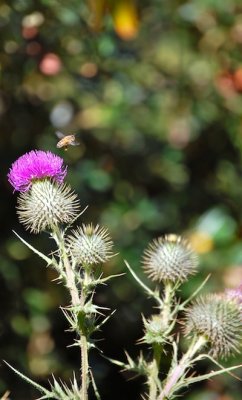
<point>75,143</point>
<point>59,134</point>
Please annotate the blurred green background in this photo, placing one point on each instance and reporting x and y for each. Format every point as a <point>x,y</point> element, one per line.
<point>153,90</point>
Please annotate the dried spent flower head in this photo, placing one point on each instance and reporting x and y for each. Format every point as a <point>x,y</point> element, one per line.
<point>90,245</point>
<point>218,319</point>
<point>47,204</point>
<point>169,258</point>
<point>36,165</point>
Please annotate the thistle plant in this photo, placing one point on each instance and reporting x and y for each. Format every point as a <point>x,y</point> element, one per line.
<point>211,323</point>
<point>46,203</point>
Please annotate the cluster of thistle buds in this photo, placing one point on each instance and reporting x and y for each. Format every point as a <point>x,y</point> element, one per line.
<point>212,323</point>
<point>46,203</point>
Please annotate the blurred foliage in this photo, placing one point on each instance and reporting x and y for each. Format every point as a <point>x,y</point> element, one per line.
<point>153,90</point>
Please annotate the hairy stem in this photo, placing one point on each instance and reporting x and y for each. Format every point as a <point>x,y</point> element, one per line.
<point>70,275</point>
<point>85,379</point>
<point>153,378</point>
<point>178,372</point>
<point>152,381</point>
<point>84,342</point>
<point>167,304</point>
<point>77,299</point>
<point>154,372</point>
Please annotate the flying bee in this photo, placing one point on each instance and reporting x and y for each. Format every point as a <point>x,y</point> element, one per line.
<point>66,140</point>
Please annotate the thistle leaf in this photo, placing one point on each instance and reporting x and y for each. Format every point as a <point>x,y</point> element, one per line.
<point>47,393</point>
<point>50,261</point>
<point>194,294</point>
<point>150,292</point>
<point>203,377</point>
<point>94,386</point>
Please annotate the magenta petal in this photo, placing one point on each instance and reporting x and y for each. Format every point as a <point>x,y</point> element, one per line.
<point>36,164</point>
<point>235,294</point>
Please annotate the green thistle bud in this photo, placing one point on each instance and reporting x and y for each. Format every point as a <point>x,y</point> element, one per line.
<point>154,330</point>
<point>47,204</point>
<point>90,245</point>
<point>218,319</point>
<point>169,258</point>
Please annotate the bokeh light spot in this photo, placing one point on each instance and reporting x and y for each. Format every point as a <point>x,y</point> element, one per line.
<point>50,64</point>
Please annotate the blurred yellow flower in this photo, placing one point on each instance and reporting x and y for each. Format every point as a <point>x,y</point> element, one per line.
<point>125,18</point>
<point>201,242</point>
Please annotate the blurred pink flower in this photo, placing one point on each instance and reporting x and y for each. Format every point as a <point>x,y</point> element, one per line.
<point>36,164</point>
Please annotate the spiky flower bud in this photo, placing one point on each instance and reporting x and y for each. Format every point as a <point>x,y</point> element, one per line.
<point>219,320</point>
<point>90,245</point>
<point>47,204</point>
<point>154,330</point>
<point>169,258</point>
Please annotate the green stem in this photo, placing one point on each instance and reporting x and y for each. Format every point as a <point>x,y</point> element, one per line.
<point>154,366</point>
<point>84,342</point>
<point>77,300</point>
<point>167,303</point>
<point>70,275</point>
<point>85,379</point>
<point>152,381</point>
<point>154,372</point>
<point>178,372</point>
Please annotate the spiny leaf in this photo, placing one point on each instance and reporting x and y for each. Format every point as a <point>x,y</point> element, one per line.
<point>48,394</point>
<point>104,321</point>
<point>194,294</point>
<point>103,280</point>
<point>189,381</point>
<point>95,386</point>
<point>151,293</point>
<point>50,261</point>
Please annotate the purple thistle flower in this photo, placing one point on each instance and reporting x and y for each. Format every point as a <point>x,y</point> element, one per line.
<point>36,164</point>
<point>235,294</point>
